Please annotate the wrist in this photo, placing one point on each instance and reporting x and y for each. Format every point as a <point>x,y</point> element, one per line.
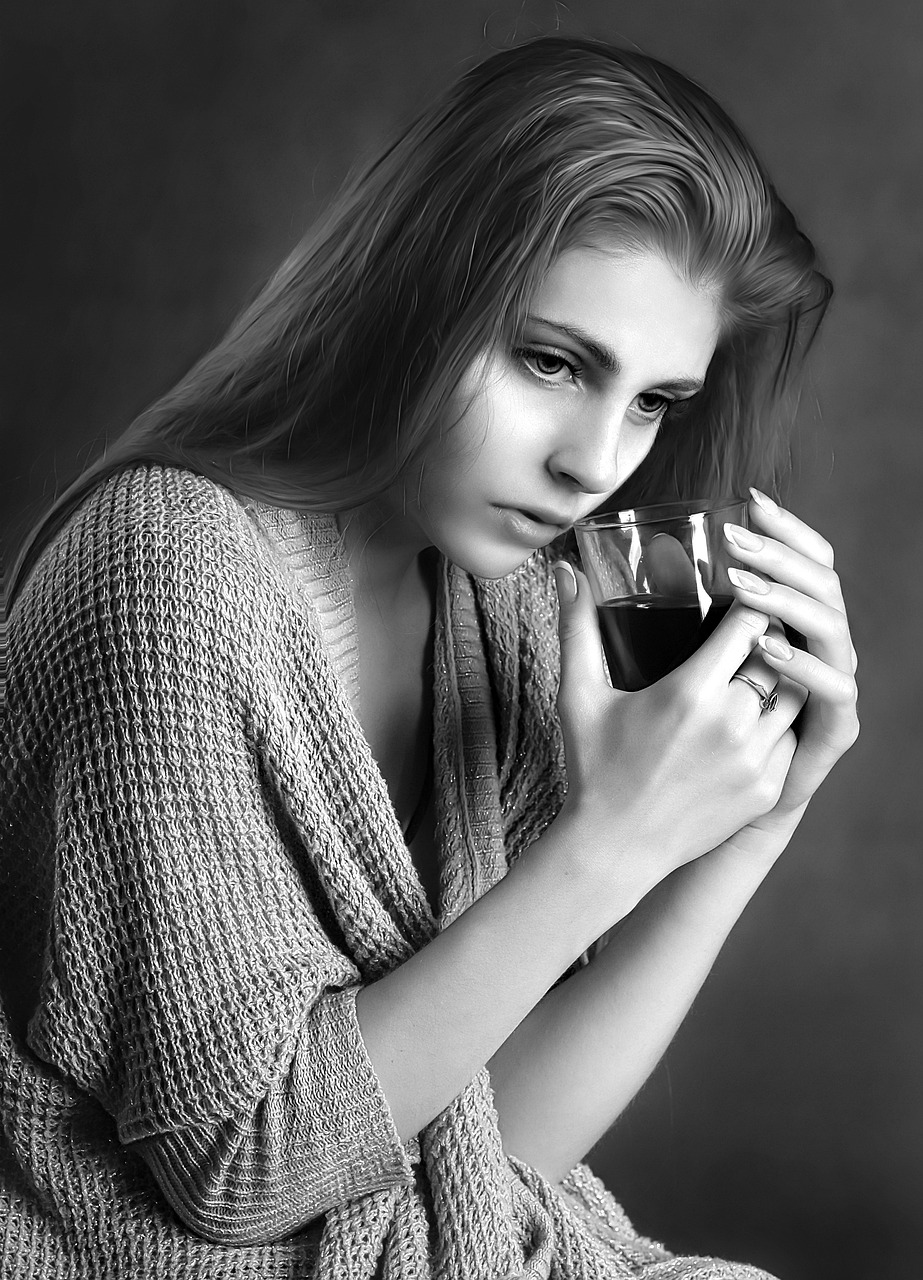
<point>764,840</point>
<point>604,872</point>
<point>713,891</point>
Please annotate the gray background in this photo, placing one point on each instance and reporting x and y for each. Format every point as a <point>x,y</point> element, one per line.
<point>165,155</point>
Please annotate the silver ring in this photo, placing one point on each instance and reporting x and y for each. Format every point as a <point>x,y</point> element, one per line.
<point>767,700</point>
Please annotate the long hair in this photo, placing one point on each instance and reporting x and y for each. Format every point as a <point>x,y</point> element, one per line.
<point>328,387</point>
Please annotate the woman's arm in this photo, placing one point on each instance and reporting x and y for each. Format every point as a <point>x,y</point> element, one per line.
<point>571,1068</point>
<point>190,983</point>
<point>655,780</point>
<point>583,1053</point>
<point>430,1025</point>
<point>579,1053</point>
<point>668,755</point>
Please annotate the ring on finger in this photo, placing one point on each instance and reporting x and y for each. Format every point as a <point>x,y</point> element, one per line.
<point>767,700</point>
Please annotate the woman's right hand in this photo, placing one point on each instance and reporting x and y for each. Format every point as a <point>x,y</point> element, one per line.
<point>665,774</point>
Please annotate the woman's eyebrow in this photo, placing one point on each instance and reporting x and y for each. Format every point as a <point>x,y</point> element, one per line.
<point>606,358</point>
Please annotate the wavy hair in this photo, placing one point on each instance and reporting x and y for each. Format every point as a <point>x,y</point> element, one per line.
<point>327,388</point>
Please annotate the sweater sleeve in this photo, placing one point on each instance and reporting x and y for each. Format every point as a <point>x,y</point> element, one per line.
<point>307,1145</point>
<point>191,981</point>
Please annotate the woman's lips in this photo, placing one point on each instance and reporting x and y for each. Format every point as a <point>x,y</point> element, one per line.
<point>528,527</point>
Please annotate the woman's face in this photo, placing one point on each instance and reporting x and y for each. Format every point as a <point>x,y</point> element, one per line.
<point>545,432</point>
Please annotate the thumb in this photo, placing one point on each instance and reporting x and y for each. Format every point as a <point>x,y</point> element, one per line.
<point>581,648</point>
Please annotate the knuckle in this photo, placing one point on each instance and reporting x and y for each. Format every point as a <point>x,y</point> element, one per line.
<point>749,762</point>
<point>570,625</point>
<point>761,787</point>
<point>849,690</point>
<point>739,736</point>
<point>825,553</point>
<point>751,622</point>
<point>684,697</point>
<point>830,586</point>
<point>839,626</point>
<point>770,788</point>
<point>841,687</point>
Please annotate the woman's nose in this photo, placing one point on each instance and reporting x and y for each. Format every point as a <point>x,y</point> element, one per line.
<point>588,457</point>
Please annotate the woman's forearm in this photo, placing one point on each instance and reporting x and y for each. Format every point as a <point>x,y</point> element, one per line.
<point>573,1065</point>
<point>433,1023</point>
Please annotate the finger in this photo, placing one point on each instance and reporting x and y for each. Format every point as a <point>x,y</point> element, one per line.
<point>835,688</point>
<point>729,645</point>
<point>791,569</point>
<point>830,725</point>
<point>756,675</point>
<point>770,518</point>
<point>581,647</point>
<point>755,667</point>
<point>761,692</point>
<point>789,700</point>
<point>825,627</point>
<point>786,565</point>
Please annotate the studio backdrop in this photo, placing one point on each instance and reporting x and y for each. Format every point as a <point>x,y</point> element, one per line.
<point>165,155</point>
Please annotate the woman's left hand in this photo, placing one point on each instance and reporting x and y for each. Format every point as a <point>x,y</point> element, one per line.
<point>791,578</point>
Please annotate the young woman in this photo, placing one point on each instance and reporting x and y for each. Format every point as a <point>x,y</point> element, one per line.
<point>320,803</point>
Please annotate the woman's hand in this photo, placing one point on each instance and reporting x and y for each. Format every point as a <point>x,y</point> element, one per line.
<point>791,578</point>
<point>659,777</point>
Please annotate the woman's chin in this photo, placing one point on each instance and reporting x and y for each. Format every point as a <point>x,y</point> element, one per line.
<point>492,564</point>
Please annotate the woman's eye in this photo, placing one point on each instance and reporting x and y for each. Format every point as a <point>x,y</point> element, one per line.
<point>551,367</point>
<point>652,405</point>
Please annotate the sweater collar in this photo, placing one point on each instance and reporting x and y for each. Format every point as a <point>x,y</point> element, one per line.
<point>467,788</point>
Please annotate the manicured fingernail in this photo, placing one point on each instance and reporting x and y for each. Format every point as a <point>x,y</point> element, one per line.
<point>748,581</point>
<point>771,508</point>
<point>566,580</point>
<point>743,538</point>
<point>775,648</point>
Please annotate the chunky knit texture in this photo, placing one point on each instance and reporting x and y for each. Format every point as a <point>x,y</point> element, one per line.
<point>201,866</point>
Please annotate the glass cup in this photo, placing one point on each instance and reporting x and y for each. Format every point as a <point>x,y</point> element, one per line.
<point>659,579</point>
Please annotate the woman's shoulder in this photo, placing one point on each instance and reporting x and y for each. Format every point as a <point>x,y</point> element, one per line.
<point>157,509</point>
<point>149,529</point>
<point>153,557</point>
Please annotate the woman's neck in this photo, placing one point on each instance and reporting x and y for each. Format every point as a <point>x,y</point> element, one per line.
<point>386,556</point>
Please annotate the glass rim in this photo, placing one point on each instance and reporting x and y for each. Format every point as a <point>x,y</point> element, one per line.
<point>658,513</point>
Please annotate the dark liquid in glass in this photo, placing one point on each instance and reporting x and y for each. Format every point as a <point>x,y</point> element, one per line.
<point>646,636</point>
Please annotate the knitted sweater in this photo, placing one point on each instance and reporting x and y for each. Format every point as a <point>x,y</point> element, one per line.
<point>202,866</point>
